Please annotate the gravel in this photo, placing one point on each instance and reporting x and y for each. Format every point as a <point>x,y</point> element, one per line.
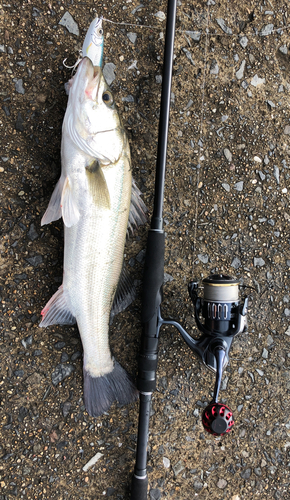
<point>160,15</point>
<point>19,124</point>
<point>267,30</point>
<point>132,37</point>
<point>61,372</point>
<point>240,72</point>
<point>223,26</point>
<point>277,174</point>
<point>258,261</point>
<point>228,154</point>
<point>194,35</point>
<point>243,40</point>
<point>236,263</point>
<point>19,86</point>
<point>69,23</point>
<point>189,56</point>
<point>256,81</point>
<point>109,72</point>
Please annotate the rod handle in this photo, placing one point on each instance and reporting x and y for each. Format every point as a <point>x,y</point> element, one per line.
<point>139,487</point>
<point>153,275</point>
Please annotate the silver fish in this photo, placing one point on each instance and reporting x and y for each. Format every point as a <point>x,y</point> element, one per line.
<point>93,195</point>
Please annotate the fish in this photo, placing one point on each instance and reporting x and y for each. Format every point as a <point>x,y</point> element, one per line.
<point>99,202</point>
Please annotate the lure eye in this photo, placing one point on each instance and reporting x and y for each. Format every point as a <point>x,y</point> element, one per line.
<point>100,32</point>
<point>107,98</point>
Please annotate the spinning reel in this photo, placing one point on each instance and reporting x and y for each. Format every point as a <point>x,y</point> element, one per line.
<point>224,318</point>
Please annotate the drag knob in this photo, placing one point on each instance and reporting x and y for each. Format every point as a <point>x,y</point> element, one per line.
<point>217,419</point>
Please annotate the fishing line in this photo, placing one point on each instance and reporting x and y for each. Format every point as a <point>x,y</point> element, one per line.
<point>200,159</point>
<point>207,34</point>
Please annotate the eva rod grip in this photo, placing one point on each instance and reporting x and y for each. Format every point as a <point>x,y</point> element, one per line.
<point>151,300</point>
<point>139,487</point>
<point>153,275</point>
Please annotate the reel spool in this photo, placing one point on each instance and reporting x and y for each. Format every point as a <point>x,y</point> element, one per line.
<point>219,306</point>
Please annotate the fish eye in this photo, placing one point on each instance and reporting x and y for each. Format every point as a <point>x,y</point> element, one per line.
<point>107,98</point>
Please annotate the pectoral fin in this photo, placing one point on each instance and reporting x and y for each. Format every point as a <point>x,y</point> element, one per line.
<point>98,185</point>
<point>69,209</point>
<point>62,204</point>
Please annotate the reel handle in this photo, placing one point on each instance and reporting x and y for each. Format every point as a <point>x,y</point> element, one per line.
<point>217,418</point>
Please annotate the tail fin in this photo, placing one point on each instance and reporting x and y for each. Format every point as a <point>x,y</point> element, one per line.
<point>101,392</point>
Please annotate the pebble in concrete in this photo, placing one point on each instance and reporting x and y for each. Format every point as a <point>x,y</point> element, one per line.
<point>239,185</point>
<point>223,26</point>
<point>258,261</point>
<point>214,68</point>
<point>109,72</point>
<point>221,484</point>
<point>267,30</point>
<point>243,41</point>
<point>19,86</point>
<point>179,467</point>
<point>228,154</point>
<point>256,81</point>
<point>69,23</point>
<point>132,37</point>
<point>240,72</point>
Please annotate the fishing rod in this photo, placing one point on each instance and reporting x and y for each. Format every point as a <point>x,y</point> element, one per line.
<point>153,273</point>
<point>224,314</point>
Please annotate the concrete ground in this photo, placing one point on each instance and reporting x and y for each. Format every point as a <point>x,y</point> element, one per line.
<point>226,210</point>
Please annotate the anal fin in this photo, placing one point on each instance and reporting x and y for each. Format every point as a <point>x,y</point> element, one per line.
<point>56,311</point>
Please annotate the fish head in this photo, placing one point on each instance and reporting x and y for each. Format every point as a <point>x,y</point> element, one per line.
<point>92,118</point>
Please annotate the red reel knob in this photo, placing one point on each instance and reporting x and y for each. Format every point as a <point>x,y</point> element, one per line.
<point>217,419</point>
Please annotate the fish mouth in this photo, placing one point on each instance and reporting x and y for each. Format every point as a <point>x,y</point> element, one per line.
<point>92,71</point>
<point>97,70</point>
<point>92,76</point>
